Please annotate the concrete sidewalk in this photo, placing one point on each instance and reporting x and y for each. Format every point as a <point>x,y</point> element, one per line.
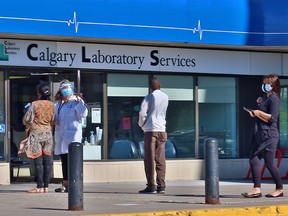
<point>181,198</point>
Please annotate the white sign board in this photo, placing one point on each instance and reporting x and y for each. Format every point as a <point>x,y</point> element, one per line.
<point>136,58</point>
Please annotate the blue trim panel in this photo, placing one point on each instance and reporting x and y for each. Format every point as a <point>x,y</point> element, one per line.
<point>221,22</point>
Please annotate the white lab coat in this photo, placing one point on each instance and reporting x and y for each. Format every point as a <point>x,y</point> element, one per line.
<point>69,128</point>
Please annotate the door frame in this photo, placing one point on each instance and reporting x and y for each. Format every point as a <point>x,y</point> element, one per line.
<point>8,93</point>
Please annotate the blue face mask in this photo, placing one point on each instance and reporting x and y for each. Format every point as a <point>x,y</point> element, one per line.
<point>67,92</point>
<point>266,88</point>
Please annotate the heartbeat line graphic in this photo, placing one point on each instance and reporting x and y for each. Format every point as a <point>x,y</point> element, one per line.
<point>194,30</point>
<point>74,22</point>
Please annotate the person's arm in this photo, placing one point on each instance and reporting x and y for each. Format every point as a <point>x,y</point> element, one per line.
<point>52,121</point>
<point>273,111</point>
<point>29,115</point>
<point>261,115</point>
<point>81,109</point>
<point>143,112</point>
<point>56,109</point>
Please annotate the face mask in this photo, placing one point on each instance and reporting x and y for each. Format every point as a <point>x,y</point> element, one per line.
<point>67,92</point>
<point>266,88</point>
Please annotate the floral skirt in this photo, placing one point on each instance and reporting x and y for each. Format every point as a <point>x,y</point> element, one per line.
<point>37,144</point>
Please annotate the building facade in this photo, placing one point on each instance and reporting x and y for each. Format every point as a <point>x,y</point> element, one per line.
<point>210,57</point>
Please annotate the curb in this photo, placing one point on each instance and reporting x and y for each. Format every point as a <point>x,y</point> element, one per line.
<point>278,210</point>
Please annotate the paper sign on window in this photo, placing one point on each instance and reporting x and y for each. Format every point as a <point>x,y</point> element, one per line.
<point>96,115</point>
<point>126,123</point>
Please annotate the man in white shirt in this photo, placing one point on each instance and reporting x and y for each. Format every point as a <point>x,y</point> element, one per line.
<point>152,120</point>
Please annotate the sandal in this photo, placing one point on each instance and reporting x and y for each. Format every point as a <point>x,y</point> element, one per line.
<point>46,190</point>
<point>36,190</point>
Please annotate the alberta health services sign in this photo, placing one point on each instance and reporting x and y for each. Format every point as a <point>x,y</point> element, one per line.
<point>118,57</point>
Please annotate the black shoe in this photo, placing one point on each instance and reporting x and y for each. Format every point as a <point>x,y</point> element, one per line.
<point>161,190</point>
<point>148,190</point>
<point>256,195</point>
<point>271,196</point>
<point>62,189</point>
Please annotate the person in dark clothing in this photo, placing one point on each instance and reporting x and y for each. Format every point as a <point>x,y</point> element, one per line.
<point>266,137</point>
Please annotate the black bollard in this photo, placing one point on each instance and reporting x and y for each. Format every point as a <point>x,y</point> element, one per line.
<point>75,177</point>
<point>211,171</point>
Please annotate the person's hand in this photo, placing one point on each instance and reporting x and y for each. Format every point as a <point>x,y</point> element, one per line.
<point>78,95</point>
<point>55,122</point>
<point>259,100</point>
<point>261,115</point>
<point>252,113</point>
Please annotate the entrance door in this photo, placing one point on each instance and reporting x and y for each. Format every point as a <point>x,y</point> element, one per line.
<point>23,91</point>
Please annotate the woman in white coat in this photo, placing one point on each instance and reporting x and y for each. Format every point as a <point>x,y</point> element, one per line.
<point>68,113</point>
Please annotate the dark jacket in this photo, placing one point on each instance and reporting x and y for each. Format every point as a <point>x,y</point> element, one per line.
<point>266,134</point>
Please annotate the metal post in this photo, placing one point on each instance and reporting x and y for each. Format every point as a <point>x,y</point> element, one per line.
<point>211,171</point>
<point>75,177</point>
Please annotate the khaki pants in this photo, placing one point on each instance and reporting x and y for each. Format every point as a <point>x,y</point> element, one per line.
<point>154,147</point>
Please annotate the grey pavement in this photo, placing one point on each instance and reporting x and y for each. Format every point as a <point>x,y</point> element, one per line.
<point>123,198</point>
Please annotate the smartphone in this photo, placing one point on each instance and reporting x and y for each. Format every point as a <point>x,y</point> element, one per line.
<point>247,109</point>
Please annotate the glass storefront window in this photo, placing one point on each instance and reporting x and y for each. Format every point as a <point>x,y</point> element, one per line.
<point>217,114</point>
<point>125,94</point>
<point>92,90</point>
<point>283,120</point>
<point>2,117</point>
<point>180,114</point>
